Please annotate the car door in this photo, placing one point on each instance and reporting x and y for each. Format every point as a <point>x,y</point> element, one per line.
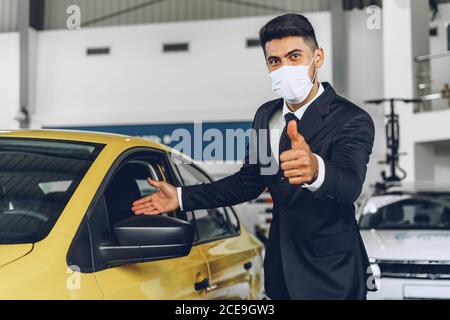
<point>232,257</point>
<point>179,278</point>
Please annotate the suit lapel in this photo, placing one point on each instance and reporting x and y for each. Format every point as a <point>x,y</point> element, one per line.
<point>313,121</point>
<point>268,114</point>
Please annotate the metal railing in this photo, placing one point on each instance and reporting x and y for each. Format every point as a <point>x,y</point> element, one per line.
<point>433,81</point>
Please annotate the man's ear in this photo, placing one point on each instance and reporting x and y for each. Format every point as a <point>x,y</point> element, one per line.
<point>320,58</point>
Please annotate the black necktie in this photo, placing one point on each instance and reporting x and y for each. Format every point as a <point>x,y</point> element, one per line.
<point>285,141</point>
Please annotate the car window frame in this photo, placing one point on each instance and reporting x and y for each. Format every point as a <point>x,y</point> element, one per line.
<point>120,160</point>
<point>237,233</point>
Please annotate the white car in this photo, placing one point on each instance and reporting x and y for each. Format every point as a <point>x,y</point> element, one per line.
<point>407,237</point>
<point>257,215</point>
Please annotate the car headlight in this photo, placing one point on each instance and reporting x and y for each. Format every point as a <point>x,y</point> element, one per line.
<point>374,279</point>
<point>376,271</point>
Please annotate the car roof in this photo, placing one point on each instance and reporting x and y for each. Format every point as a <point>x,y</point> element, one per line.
<point>415,187</point>
<point>71,135</point>
<point>90,137</point>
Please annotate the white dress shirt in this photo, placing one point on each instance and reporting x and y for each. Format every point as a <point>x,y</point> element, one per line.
<point>276,126</point>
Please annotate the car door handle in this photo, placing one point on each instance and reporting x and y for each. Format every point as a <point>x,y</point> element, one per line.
<point>248,266</point>
<point>202,285</point>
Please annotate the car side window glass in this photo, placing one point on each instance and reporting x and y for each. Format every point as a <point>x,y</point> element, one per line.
<point>211,223</point>
<point>127,184</point>
<point>130,184</point>
<point>191,176</point>
<point>145,189</point>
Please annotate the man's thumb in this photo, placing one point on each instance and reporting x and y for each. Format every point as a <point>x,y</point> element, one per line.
<point>293,134</point>
<point>153,183</point>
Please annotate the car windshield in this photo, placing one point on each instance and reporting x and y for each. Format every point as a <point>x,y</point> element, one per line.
<point>37,180</point>
<point>407,211</point>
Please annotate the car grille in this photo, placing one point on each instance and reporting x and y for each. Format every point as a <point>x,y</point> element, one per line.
<point>416,270</point>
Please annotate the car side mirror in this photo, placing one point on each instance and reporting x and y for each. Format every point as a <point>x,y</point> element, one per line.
<point>149,238</point>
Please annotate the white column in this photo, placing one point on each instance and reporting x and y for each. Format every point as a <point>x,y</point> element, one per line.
<point>405,36</point>
<point>24,34</point>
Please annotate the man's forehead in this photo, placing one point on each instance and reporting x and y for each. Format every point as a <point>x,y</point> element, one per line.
<point>285,45</point>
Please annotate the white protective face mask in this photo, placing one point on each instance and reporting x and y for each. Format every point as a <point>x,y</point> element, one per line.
<point>293,83</point>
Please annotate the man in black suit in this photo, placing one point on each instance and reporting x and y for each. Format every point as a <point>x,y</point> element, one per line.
<point>323,143</point>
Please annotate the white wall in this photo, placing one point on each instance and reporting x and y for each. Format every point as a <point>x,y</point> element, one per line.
<point>218,80</point>
<point>442,162</point>
<point>434,162</point>
<point>9,80</point>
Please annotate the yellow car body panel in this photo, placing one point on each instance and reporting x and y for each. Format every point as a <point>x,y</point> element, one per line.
<point>44,274</point>
<point>10,253</point>
<point>227,260</point>
<point>159,280</point>
<point>40,270</point>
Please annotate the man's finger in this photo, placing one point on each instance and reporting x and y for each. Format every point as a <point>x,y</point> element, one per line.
<point>145,205</point>
<point>154,183</point>
<point>143,200</point>
<point>293,173</point>
<point>149,212</point>
<point>292,155</point>
<point>297,181</point>
<point>295,164</point>
<point>296,138</point>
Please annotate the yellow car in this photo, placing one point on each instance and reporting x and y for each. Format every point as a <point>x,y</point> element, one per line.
<point>67,230</point>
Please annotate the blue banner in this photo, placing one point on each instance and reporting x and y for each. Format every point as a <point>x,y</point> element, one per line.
<point>209,141</point>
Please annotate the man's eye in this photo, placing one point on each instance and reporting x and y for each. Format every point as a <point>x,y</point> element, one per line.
<point>272,62</point>
<point>295,56</point>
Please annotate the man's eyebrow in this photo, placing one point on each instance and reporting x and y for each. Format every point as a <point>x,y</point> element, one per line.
<point>288,54</point>
<point>291,52</point>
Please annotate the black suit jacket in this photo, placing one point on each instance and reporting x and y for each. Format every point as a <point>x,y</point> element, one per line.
<point>314,245</point>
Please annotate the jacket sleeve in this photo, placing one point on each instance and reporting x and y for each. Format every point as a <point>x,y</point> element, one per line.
<point>245,185</point>
<point>345,170</point>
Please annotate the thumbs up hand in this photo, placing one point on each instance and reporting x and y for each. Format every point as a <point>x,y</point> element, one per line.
<point>299,164</point>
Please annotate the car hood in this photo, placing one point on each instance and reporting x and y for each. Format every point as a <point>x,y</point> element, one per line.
<point>407,245</point>
<point>12,252</point>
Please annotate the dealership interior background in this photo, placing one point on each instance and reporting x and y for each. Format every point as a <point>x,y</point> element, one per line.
<point>144,68</point>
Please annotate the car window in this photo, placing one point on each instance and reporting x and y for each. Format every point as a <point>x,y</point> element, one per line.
<point>113,204</point>
<point>210,223</point>
<point>37,180</point>
<point>414,211</point>
<point>130,184</point>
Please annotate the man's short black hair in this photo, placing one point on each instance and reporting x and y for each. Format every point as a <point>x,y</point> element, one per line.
<point>289,24</point>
